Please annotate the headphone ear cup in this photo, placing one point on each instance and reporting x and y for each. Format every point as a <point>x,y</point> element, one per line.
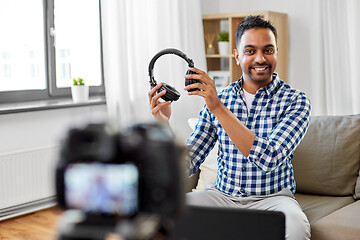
<point>171,93</point>
<point>191,81</point>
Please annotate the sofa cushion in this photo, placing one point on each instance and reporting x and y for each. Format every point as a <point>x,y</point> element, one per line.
<point>342,224</point>
<point>316,206</point>
<point>327,160</point>
<point>207,171</point>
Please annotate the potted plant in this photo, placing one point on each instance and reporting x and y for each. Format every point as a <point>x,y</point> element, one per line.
<point>223,43</point>
<point>79,91</point>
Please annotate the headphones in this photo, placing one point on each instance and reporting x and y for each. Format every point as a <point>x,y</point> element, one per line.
<point>171,93</point>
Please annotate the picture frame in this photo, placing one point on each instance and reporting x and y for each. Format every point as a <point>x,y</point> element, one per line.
<point>221,78</point>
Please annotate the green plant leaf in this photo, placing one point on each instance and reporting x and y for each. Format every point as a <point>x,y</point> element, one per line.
<point>78,81</point>
<point>223,37</point>
<point>81,81</point>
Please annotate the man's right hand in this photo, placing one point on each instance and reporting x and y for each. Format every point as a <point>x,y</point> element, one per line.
<point>160,110</point>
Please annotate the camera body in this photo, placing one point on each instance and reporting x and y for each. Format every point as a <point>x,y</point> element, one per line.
<point>103,172</point>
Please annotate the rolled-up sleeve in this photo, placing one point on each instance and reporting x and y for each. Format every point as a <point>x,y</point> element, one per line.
<point>270,152</point>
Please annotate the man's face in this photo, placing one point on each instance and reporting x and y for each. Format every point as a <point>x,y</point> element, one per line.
<point>257,55</point>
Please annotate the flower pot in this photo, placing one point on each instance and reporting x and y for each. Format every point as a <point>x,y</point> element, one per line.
<point>223,48</point>
<point>80,93</point>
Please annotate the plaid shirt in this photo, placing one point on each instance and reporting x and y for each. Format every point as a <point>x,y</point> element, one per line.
<point>279,116</point>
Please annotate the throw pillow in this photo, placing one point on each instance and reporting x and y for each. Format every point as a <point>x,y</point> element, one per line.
<point>327,160</point>
<point>208,168</point>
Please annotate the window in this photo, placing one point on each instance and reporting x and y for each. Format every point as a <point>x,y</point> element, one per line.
<point>46,43</point>
<point>6,65</point>
<point>64,72</point>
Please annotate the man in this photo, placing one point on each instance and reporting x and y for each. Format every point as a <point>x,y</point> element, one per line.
<point>259,121</point>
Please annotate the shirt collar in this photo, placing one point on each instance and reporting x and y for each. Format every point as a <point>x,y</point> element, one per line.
<point>270,89</point>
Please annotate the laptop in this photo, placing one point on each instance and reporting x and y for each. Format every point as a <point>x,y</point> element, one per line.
<point>228,224</point>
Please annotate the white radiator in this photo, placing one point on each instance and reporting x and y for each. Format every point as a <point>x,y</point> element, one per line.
<point>27,179</point>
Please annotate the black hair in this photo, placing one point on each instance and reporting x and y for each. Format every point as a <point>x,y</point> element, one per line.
<point>253,22</point>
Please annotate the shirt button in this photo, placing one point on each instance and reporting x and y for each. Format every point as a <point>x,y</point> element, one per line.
<point>242,190</point>
<point>243,168</point>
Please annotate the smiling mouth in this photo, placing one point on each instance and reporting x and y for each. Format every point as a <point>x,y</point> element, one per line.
<point>260,69</point>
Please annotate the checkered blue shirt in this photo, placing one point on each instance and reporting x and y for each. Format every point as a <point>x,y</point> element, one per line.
<point>279,116</point>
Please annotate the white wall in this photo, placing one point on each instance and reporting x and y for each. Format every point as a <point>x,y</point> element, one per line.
<point>37,129</point>
<point>29,145</point>
<point>299,23</point>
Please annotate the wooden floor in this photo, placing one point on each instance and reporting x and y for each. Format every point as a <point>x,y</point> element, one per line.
<point>41,225</point>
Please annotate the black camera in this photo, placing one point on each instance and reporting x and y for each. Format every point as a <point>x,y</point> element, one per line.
<point>119,174</point>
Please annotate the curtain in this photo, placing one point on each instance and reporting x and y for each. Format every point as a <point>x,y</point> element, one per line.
<point>133,32</point>
<point>335,57</point>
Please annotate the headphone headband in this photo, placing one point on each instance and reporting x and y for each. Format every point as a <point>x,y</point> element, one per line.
<point>163,52</point>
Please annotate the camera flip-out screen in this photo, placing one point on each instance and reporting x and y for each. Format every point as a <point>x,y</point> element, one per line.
<point>102,188</point>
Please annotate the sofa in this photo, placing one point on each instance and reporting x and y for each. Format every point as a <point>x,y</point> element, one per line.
<point>326,169</point>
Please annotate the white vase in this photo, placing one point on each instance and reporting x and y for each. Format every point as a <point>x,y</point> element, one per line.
<point>80,93</point>
<point>223,48</point>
